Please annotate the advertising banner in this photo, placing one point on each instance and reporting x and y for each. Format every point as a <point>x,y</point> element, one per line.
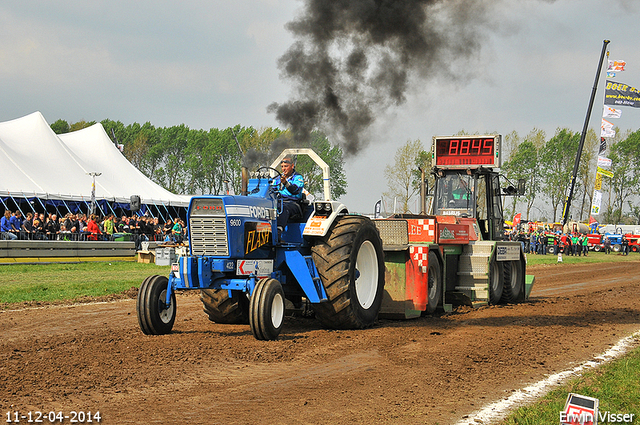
<point>621,94</point>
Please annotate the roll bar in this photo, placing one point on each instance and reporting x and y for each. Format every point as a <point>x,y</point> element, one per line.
<point>316,158</point>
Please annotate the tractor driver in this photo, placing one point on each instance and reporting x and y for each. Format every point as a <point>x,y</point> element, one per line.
<point>290,190</point>
<point>460,193</point>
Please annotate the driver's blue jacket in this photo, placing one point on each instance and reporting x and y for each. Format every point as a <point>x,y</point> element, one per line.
<point>294,192</point>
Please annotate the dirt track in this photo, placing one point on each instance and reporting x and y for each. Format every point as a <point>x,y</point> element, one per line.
<point>430,370</point>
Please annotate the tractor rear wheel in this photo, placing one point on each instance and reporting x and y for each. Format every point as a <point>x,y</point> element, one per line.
<point>496,281</point>
<point>266,309</point>
<point>155,317</point>
<point>224,308</point>
<point>513,281</point>
<point>350,262</point>
<point>435,283</point>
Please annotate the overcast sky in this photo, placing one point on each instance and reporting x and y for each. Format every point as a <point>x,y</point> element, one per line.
<point>214,64</point>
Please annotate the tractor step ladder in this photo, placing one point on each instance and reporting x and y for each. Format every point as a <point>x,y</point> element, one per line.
<point>473,271</point>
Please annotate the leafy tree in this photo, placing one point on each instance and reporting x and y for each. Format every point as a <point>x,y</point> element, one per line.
<point>624,156</point>
<point>585,180</point>
<point>510,144</point>
<point>401,175</point>
<point>80,125</point>
<point>557,160</point>
<point>423,162</point>
<point>524,164</point>
<point>60,127</point>
<point>172,152</point>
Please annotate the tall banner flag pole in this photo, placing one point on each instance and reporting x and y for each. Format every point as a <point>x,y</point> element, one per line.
<point>567,203</point>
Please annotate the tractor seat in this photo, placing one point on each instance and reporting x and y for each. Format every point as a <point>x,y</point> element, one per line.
<point>306,208</point>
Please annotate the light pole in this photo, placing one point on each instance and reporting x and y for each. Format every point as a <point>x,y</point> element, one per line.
<point>93,190</point>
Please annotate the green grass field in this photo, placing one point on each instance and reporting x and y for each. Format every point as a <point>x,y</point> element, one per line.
<point>616,385</point>
<point>60,282</point>
<point>593,257</point>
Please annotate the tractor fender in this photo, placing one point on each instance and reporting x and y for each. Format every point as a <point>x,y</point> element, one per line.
<point>318,224</point>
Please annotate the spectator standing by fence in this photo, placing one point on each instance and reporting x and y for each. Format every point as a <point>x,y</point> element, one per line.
<point>38,226</point>
<point>625,246</point>
<point>93,230</point>
<point>5,226</point>
<point>108,226</point>
<point>16,223</point>
<point>27,226</point>
<point>167,228</point>
<point>176,231</point>
<point>157,229</point>
<point>52,227</point>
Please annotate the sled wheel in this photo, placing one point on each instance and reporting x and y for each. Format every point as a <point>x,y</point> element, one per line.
<point>435,283</point>
<point>513,281</point>
<point>350,263</point>
<point>223,306</point>
<point>266,309</point>
<point>496,281</point>
<point>155,317</point>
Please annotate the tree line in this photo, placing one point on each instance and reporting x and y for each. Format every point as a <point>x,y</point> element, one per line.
<point>547,165</point>
<point>190,161</point>
<point>194,162</point>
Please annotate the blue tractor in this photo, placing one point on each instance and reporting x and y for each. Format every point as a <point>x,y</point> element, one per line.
<point>325,258</point>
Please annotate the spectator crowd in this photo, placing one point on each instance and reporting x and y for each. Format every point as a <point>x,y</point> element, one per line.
<point>545,241</point>
<point>80,227</point>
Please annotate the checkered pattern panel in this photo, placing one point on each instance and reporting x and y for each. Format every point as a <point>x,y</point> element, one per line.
<point>420,254</point>
<point>428,225</point>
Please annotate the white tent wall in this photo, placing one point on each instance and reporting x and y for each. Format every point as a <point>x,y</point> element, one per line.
<point>13,180</point>
<point>39,153</point>
<point>119,176</point>
<point>35,162</point>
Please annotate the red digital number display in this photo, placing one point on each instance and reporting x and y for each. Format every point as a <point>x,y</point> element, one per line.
<point>465,151</point>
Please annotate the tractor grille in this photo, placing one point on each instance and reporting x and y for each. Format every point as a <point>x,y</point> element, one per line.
<point>209,236</point>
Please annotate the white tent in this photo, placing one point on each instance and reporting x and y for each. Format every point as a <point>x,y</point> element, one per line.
<point>35,162</point>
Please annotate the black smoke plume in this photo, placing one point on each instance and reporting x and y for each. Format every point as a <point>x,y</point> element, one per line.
<point>354,59</point>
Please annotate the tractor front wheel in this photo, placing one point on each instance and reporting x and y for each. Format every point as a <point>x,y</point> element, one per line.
<point>350,262</point>
<point>266,309</point>
<point>155,316</point>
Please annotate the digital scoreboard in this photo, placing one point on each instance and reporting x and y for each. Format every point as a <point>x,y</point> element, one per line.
<point>467,151</point>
